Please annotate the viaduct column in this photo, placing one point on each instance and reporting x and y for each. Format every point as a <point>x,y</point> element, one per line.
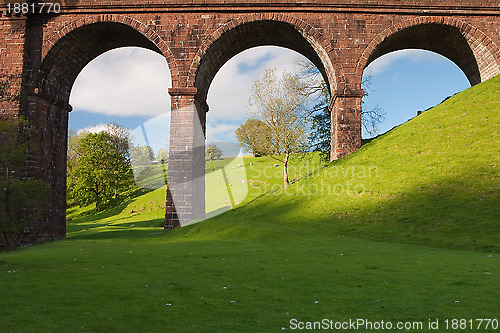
<point>50,116</point>
<point>20,60</point>
<point>186,167</point>
<point>345,109</point>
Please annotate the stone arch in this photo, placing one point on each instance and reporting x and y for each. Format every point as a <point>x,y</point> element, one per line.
<point>261,29</point>
<point>53,72</point>
<point>189,101</point>
<point>465,45</point>
<point>74,45</point>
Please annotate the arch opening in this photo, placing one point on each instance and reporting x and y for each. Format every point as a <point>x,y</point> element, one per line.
<point>125,87</point>
<point>445,40</point>
<point>253,34</point>
<point>228,97</point>
<point>404,83</point>
<point>76,49</point>
<point>53,76</point>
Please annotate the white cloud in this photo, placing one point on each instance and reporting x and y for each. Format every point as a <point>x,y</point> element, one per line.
<point>221,131</point>
<point>126,82</point>
<point>231,88</point>
<point>93,129</point>
<point>385,62</point>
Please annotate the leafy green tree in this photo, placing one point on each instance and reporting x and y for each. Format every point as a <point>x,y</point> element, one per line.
<point>142,155</point>
<point>21,198</point>
<point>254,136</point>
<point>212,152</point>
<point>73,149</point>
<point>101,171</point>
<point>281,104</point>
<point>121,138</point>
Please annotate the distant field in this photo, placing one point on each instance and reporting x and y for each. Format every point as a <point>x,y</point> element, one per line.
<point>404,231</point>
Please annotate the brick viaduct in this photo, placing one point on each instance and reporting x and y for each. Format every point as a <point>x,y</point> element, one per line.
<point>42,55</point>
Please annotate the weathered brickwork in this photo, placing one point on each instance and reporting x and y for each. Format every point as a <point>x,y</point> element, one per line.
<point>45,53</point>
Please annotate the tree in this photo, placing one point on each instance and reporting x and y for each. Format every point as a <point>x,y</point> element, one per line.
<point>320,137</point>
<point>212,152</point>
<point>142,155</point>
<point>254,136</point>
<point>74,151</point>
<point>121,138</point>
<point>281,104</point>
<point>100,172</point>
<point>21,198</point>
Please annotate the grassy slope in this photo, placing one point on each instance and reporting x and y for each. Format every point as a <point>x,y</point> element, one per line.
<point>294,254</point>
<point>431,181</point>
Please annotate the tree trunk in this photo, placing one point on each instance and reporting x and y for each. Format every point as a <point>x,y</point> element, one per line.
<point>9,242</point>
<point>7,236</point>
<point>97,202</point>
<point>285,170</point>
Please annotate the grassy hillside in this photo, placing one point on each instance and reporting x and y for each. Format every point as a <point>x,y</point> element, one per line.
<point>404,230</point>
<point>434,180</point>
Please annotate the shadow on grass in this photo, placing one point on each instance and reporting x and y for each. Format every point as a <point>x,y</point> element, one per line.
<point>142,229</point>
<point>459,212</point>
<point>451,214</point>
<point>116,206</point>
<point>160,222</point>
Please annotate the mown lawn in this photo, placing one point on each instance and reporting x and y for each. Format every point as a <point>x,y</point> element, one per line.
<point>406,229</point>
<point>141,281</point>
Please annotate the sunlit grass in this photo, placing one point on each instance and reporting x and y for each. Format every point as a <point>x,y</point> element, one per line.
<point>405,229</point>
<point>232,181</point>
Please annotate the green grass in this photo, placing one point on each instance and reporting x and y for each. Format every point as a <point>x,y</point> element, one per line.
<point>144,207</point>
<point>405,229</point>
<point>433,181</point>
<point>138,281</point>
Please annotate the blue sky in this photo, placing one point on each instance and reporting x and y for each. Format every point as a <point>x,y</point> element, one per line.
<point>129,86</point>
